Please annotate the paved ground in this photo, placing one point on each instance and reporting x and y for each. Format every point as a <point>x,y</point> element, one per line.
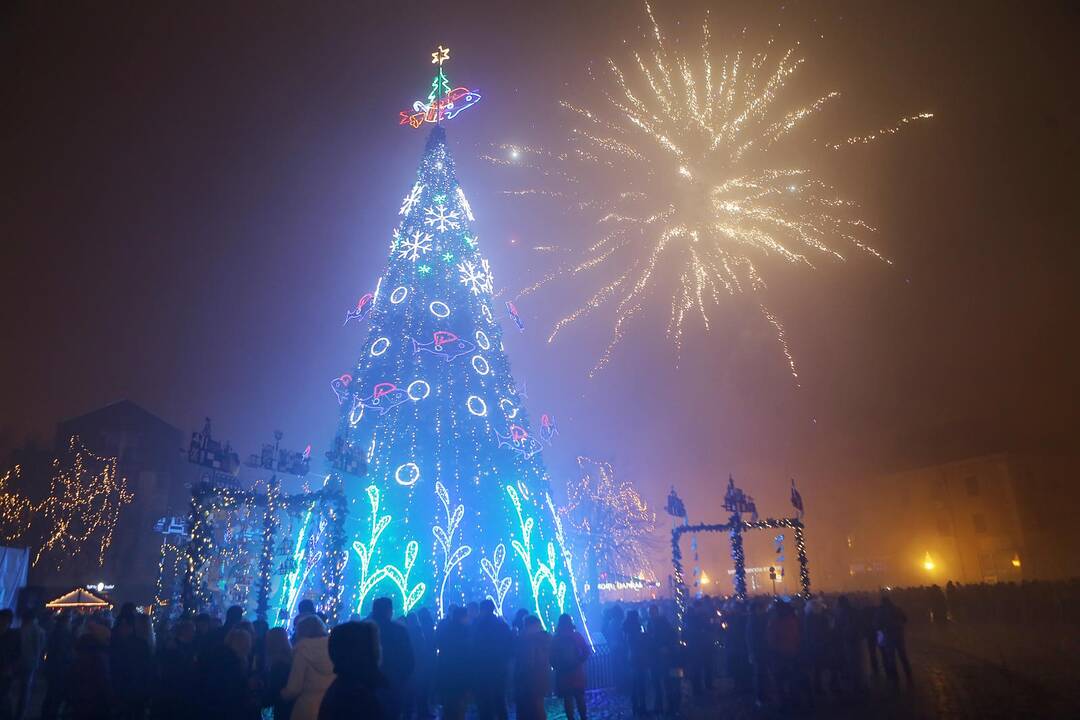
<point>950,682</point>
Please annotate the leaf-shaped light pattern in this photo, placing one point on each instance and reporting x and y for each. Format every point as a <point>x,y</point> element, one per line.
<point>445,537</point>
<point>684,164</point>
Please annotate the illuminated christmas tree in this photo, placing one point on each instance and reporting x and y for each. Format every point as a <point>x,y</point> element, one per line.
<point>454,505</point>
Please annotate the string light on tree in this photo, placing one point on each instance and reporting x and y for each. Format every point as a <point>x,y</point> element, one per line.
<point>432,521</point>
<point>84,503</point>
<point>613,523</point>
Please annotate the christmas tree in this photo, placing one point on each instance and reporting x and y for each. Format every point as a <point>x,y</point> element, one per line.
<point>454,505</point>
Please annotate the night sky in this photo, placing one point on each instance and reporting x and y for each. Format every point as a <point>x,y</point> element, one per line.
<point>194,193</point>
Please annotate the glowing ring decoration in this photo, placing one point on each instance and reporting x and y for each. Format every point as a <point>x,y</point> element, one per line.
<point>439,309</point>
<point>486,312</point>
<point>379,346</point>
<point>512,413</point>
<point>480,365</point>
<point>482,340</point>
<point>524,490</point>
<point>398,296</point>
<point>476,405</point>
<point>413,471</point>
<point>355,419</point>
<point>421,386</point>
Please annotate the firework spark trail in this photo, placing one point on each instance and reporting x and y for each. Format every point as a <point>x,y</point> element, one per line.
<point>697,195</point>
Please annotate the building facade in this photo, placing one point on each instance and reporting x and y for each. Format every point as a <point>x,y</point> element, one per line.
<point>993,518</point>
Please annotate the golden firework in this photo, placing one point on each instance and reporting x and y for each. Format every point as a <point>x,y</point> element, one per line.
<point>679,164</point>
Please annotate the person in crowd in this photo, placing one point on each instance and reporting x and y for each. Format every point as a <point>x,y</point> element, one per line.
<point>9,661</point>
<point>699,647</point>
<point>532,669</point>
<point>397,657</point>
<point>890,622</point>
<point>312,670</point>
<point>869,635</point>
<point>354,649</point>
<point>277,664</point>
<point>782,639</point>
<point>178,674</point>
<point>612,628</point>
<point>31,649</point>
<point>637,658</point>
<point>452,668</point>
<point>492,646</point>
<point>225,679</point>
<point>305,608</point>
<point>131,664</point>
<point>848,639</point>
<point>816,644</point>
<point>569,652</point>
<point>425,664</point>
<point>59,656</point>
<point>89,694</point>
<point>519,621</point>
<point>661,641</point>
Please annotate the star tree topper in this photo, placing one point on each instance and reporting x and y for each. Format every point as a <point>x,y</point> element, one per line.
<point>444,102</point>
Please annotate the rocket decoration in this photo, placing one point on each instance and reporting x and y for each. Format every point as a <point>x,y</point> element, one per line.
<point>444,102</point>
<point>512,311</point>
<point>340,386</point>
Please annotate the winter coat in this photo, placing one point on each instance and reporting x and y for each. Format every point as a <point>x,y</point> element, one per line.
<point>310,676</point>
<point>532,664</point>
<point>569,651</point>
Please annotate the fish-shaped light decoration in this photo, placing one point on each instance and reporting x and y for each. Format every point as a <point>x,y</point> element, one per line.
<point>340,386</point>
<point>548,428</point>
<point>362,308</point>
<point>444,344</point>
<point>519,441</point>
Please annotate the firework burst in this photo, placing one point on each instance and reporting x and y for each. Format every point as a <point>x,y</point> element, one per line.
<point>699,199</point>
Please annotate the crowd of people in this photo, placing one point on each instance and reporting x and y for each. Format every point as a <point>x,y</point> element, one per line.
<point>784,653</point>
<point>101,667</point>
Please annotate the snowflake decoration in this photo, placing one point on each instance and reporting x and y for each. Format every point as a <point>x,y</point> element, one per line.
<point>411,200</point>
<point>441,219</point>
<point>472,241</point>
<point>423,269</point>
<point>396,240</point>
<point>477,279</point>
<point>448,257</point>
<point>440,199</point>
<point>415,245</point>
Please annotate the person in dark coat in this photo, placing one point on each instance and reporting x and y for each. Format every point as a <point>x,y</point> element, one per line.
<point>757,650</point>
<point>492,645</point>
<point>178,674</point>
<point>890,622</point>
<point>569,651</point>
<point>277,663</point>
<point>532,669</point>
<point>89,685</point>
<point>9,660</point>
<point>354,693</point>
<point>637,661</point>
<point>59,656</point>
<point>132,666</point>
<point>452,667</point>
<point>398,662</point>
<point>661,640</point>
<point>224,680</point>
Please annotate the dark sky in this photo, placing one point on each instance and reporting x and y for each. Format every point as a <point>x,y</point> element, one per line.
<point>193,193</point>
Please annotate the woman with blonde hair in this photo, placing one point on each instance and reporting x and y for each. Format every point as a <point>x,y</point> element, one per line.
<point>312,670</point>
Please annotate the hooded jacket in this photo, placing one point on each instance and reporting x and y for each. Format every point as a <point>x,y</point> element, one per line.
<point>310,676</point>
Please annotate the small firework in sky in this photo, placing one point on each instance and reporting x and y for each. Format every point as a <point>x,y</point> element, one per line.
<point>681,162</point>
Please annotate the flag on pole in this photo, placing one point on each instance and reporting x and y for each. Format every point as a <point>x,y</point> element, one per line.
<point>796,498</point>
